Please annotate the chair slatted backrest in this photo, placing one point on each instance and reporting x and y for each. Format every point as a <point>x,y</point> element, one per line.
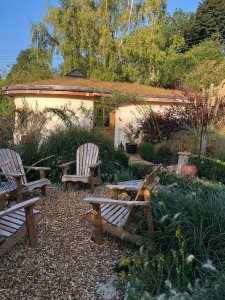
<point>87,155</point>
<point>14,164</point>
<point>146,185</point>
<point>144,193</point>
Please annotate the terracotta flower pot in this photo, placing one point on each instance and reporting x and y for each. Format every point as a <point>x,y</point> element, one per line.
<point>188,171</point>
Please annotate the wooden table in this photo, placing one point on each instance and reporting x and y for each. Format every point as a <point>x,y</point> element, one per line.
<point>130,187</point>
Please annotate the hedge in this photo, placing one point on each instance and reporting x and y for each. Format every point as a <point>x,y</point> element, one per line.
<point>209,168</point>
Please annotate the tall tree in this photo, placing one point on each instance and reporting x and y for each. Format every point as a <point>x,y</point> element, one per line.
<point>207,21</point>
<point>28,68</point>
<point>92,35</point>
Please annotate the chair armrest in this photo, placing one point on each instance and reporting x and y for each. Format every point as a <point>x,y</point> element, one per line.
<point>16,175</point>
<point>37,168</point>
<point>67,164</point>
<point>95,165</point>
<point>20,205</point>
<point>95,200</point>
<point>123,187</point>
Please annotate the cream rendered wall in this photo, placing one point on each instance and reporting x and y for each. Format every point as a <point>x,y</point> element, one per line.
<point>42,102</point>
<point>128,114</point>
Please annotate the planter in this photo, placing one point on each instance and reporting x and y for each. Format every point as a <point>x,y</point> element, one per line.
<point>131,148</point>
<point>182,160</point>
<point>188,171</point>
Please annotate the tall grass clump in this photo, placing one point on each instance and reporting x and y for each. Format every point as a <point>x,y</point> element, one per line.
<point>190,241</point>
<point>64,143</point>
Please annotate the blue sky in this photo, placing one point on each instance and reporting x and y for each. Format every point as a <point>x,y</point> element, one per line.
<point>16,17</point>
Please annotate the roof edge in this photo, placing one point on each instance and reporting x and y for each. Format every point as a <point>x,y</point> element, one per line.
<point>97,91</point>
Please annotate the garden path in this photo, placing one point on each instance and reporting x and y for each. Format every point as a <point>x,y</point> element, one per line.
<point>66,264</point>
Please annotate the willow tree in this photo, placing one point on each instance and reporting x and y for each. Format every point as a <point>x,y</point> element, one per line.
<point>95,36</point>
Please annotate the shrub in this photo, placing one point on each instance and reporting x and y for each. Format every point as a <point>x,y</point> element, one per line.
<point>209,168</point>
<point>64,143</point>
<point>140,169</point>
<point>163,156</point>
<point>124,175</point>
<point>147,151</point>
<point>189,235</point>
<point>168,178</point>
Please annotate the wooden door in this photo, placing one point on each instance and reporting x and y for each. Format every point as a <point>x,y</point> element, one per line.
<point>104,120</point>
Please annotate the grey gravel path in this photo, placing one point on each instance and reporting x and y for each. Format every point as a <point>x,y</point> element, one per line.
<point>66,264</point>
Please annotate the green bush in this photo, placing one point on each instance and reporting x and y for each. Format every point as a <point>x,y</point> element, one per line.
<point>168,178</point>
<point>163,156</point>
<point>140,169</point>
<point>189,223</point>
<point>64,143</point>
<point>147,151</point>
<point>209,168</point>
<point>124,175</point>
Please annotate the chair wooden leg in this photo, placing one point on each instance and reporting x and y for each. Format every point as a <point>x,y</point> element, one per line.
<point>43,190</point>
<point>31,226</point>
<point>97,221</point>
<point>19,195</point>
<point>92,184</point>
<point>65,186</point>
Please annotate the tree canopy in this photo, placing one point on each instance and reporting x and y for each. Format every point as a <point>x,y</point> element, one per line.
<point>208,20</point>
<point>28,67</point>
<point>128,40</point>
<point>111,40</point>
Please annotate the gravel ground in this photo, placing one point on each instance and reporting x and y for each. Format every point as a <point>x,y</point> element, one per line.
<point>66,264</point>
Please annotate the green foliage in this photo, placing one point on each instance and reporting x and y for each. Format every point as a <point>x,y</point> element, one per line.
<point>188,234</point>
<point>28,68</point>
<point>140,169</point>
<point>7,117</point>
<point>124,175</point>
<point>188,185</point>
<point>109,40</point>
<point>209,168</point>
<point>187,68</point>
<point>208,20</point>
<point>147,151</point>
<point>163,156</point>
<point>64,143</point>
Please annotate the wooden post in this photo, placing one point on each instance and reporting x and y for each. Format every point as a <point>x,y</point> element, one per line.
<point>92,181</point>
<point>43,190</point>
<point>19,189</point>
<point>31,226</point>
<point>42,174</point>
<point>114,194</point>
<point>65,186</point>
<point>148,210</point>
<point>97,221</point>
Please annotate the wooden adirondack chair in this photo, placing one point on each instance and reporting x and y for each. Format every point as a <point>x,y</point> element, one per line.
<point>14,172</point>
<point>6,188</point>
<point>16,221</point>
<point>122,218</point>
<point>87,161</point>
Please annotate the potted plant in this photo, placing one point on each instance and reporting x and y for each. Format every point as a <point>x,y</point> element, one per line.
<point>129,133</point>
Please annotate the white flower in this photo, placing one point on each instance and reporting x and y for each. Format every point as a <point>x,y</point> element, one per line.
<point>161,297</point>
<point>190,287</point>
<point>146,296</point>
<point>146,264</point>
<point>168,284</point>
<point>161,203</point>
<point>164,218</point>
<point>190,258</point>
<point>208,265</point>
<point>176,216</point>
<point>142,251</point>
